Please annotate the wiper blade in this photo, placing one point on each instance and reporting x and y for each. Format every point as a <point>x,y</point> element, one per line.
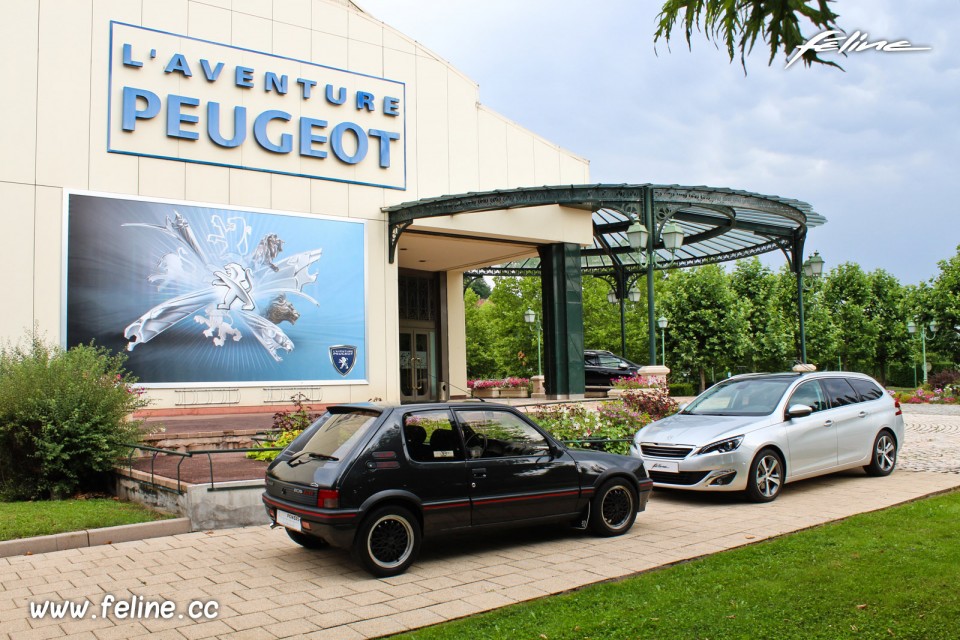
<point>302,457</point>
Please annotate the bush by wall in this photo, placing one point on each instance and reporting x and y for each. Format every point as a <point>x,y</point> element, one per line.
<point>64,416</point>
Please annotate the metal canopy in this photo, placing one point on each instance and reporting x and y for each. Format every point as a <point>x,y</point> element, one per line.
<point>718,224</point>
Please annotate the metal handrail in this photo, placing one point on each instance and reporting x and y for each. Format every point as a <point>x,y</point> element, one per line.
<point>183,455</point>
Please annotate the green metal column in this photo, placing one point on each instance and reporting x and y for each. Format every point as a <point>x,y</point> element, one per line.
<point>562,319</point>
<point>651,240</point>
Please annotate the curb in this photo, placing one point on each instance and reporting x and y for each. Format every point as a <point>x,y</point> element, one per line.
<point>94,537</point>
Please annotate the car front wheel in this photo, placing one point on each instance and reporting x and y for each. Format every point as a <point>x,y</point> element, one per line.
<point>388,541</point>
<point>766,476</point>
<point>614,508</point>
<point>884,456</point>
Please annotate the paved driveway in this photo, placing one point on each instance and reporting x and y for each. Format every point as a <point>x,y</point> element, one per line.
<point>266,586</point>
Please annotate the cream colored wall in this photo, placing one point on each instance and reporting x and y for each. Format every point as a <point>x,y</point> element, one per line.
<point>456,334</point>
<point>56,64</point>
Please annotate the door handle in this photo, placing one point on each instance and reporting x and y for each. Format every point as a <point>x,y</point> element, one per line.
<point>828,423</point>
<point>863,414</point>
<point>479,473</point>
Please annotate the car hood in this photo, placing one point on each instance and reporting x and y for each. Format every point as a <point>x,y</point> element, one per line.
<point>698,429</point>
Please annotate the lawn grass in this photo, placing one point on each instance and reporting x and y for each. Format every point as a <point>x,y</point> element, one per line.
<point>25,519</point>
<point>888,574</point>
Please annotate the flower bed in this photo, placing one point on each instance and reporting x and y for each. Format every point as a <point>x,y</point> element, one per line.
<point>638,382</point>
<point>947,395</point>
<point>506,388</point>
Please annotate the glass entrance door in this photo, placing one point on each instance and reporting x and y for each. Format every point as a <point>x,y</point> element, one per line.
<point>418,378</point>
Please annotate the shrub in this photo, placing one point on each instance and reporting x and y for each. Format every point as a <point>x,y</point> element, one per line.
<point>682,389</point>
<point>636,382</point>
<point>655,403</point>
<point>290,424</point>
<point>618,419</point>
<point>64,418</point>
<point>944,379</point>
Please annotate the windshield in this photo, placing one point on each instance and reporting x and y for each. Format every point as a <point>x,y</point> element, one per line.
<point>338,433</point>
<point>749,397</point>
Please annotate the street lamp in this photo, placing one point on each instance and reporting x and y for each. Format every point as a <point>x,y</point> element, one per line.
<point>634,296</point>
<point>912,329</point>
<point>812,268</point>
<point>644,243</point>
<point>663,339</point>
<point>530,317</point>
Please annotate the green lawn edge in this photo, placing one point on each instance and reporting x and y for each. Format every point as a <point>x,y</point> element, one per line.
<point>886,574</point>
<point>28,519</point>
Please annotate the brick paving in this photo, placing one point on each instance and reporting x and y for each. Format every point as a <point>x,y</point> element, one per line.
<point>268,587</point>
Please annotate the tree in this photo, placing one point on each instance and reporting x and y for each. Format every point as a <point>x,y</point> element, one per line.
<point>737,24</point>
<point>708,326</point>
<point>770,331</point>
<point>885,309</point>
<point>945,304</point>
<point>481,361</point>
<point>513,342</point>
<point>478,286</point>
<point>847,295</point>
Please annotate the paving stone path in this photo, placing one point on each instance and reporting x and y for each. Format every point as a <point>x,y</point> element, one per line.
<point>932,439</point>
<point>265,586</point>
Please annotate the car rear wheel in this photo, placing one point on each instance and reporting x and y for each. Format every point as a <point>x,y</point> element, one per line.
<point>388,541</point>
<point>884,456</point>
<point>614,508</point>
<point>766,476</point>
<point>307,541</point>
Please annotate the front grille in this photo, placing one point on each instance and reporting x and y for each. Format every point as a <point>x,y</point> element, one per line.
<point>664,451</point>
<point>682,478</point>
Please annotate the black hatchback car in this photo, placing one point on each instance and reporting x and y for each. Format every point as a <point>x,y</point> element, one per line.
<point>376,479</point>
<point>601,368</point>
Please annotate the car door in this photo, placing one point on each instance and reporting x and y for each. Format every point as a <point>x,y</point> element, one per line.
<point>514,473</point>
<point>847,414</point>
<point>812,439</point>
<point>855,439</point>
<point>438,469</point>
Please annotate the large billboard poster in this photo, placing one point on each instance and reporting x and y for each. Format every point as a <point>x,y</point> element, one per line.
<point>213,295</point>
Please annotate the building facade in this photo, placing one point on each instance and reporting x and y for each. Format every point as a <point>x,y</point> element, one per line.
<point>201,184</point>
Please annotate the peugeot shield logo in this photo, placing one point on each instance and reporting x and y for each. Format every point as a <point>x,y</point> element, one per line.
<point>343,357</point>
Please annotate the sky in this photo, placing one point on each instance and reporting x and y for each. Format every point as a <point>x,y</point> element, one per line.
<point>874,148</point>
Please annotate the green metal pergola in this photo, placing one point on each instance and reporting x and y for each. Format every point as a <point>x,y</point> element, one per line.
<point>718,225</point>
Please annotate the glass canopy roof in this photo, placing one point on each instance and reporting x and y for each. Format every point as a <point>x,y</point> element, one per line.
<point>718,224</point>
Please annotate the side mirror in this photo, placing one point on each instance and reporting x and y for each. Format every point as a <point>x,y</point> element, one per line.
<point>799,411</point>
<point>682,406</point>
<point>623,365</point>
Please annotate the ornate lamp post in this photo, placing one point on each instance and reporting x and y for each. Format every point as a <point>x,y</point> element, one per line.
<point>812,269</point>
<point>912,329</point>
<point>634,296</point>
<point>643,242</point>
<point>663,338</point>
<point>531,318</point>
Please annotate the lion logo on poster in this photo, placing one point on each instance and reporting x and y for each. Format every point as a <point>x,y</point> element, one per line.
<point>225,289</point>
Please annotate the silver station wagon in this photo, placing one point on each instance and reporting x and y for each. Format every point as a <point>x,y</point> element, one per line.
<point>756,432</point>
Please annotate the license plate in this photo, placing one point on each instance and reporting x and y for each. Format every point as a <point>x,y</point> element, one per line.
<point>289,520</point>
<point>662,466</point>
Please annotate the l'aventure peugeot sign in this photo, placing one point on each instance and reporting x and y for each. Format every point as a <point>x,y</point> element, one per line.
<point>182,98</point>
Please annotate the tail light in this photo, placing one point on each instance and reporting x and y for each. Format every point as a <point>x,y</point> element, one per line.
<point>896,405</point>
<point>328,499</point>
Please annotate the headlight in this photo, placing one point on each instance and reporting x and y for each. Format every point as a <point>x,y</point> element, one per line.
<point>723,446</point>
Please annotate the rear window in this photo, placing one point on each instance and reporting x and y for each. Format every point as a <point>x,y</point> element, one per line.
<point>339,433</point>
<point>840,392</point>
<point>867,389</point>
